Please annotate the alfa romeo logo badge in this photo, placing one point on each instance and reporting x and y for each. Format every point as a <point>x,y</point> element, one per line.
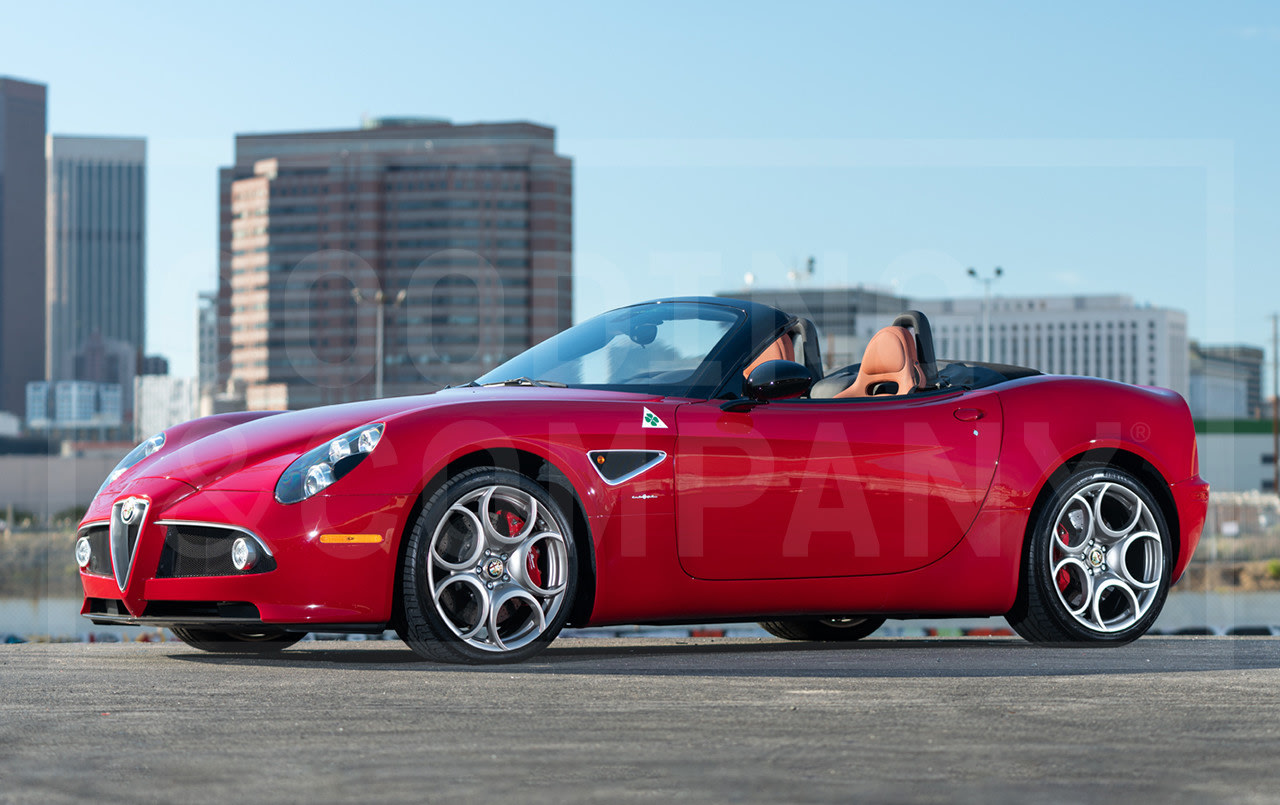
<point>129,510</point>
<point>1095,557</point>
<point>494,568</point>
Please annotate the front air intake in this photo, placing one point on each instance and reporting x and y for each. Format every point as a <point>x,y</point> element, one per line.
<point>195,550</point>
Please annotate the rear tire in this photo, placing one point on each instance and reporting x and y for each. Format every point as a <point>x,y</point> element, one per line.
<point>269,641</point>
<point>830,630</point>
<point>1097,563</point>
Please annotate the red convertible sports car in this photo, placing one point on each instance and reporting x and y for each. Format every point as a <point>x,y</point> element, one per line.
<point>677,461</point>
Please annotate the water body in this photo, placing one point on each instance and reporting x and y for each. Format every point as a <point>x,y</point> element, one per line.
<point>59,618</point>
<point>56,618</point>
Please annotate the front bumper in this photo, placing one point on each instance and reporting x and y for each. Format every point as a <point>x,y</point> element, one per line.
<point>312,581</point>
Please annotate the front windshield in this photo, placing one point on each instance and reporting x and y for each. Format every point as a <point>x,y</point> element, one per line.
<point>666,347</point>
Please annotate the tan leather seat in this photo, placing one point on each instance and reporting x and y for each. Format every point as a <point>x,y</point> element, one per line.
<point>890,357</point>
<point>781,350</point>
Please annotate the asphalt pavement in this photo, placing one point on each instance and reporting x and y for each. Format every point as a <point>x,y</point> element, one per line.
<point>1165,720</point>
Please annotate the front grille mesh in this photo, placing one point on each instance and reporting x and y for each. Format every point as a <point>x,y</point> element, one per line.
<point>192,551</point>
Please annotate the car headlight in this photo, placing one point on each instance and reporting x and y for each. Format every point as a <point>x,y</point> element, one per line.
<point>135,455</point>
<point>321,467</point>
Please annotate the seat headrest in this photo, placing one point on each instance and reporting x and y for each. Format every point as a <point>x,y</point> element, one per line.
<point>890,357</point>
<point>890,351</point>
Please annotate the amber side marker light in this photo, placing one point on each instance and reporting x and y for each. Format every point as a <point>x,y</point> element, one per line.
<point>350,539</point>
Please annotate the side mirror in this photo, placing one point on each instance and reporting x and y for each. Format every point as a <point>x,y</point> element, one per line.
<point>644,334</point>
<point>778,380</point>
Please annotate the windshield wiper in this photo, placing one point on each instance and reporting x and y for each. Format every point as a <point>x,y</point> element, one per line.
<point>528,381</point>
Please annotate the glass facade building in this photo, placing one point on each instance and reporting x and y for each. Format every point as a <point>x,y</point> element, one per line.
<point>96,276</point>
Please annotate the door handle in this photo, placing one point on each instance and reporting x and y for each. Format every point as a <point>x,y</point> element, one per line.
<point>968,414</point>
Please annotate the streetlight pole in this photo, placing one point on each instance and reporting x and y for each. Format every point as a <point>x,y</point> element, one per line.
<point>1275,404</point>
<point>380,303</point>
<point>379,337</point>
<point>986,308</point>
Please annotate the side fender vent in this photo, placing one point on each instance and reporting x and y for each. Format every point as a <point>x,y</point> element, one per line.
<point>619,466</point>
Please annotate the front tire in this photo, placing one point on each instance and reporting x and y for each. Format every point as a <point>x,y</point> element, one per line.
<point>490,570</point>
<point>831,630</point>
<point>1096,568</point>
<point>269,641</point>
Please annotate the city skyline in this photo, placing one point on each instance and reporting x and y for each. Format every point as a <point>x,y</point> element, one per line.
<point>1084,152</point>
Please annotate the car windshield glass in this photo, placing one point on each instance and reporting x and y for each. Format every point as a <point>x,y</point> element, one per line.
<point>667,347</point>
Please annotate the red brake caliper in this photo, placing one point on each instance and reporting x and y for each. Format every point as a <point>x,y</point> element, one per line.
<point>531,566</point>
<point>1064,578</point>
<point>514,526</point>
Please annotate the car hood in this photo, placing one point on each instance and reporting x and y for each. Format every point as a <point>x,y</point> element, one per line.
<point>205,451</point>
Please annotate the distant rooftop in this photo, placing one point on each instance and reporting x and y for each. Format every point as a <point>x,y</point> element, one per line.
<point>967,305</point>
<point>402,122</point>
<point>806,290</point>
<point>97,147</point>
<point>22,88</point>
<point>403,135</point>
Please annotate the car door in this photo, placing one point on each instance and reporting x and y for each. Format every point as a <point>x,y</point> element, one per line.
<point>819,488</point>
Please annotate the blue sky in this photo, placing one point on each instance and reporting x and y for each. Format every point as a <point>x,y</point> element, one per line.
<point>1085,147</point>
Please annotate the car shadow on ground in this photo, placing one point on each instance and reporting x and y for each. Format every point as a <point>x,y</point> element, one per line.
<point>719,657</point>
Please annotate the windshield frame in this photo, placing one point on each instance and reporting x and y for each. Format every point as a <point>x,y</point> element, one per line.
<point>725,358</point>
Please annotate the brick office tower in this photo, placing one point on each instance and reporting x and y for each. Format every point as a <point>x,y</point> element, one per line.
<point>461,233</point>
<point>22,234</point>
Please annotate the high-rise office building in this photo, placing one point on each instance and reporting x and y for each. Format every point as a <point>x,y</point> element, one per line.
<point>462,233</point>
<point>22,240</point>
<point>207,341</point>
<point>96,291</point>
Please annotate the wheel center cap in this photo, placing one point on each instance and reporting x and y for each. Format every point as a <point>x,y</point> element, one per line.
<point>1096,557</point>
<point>494,568</point>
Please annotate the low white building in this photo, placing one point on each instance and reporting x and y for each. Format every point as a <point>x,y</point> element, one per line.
<point>1226,381</point>
<point>38,408</point>
<point>1236,456</point>
<point>1215,395</point>
<point>70,404</point>
<point>1097,336</point>
<point>75,402</point>
<point>162,401</point>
